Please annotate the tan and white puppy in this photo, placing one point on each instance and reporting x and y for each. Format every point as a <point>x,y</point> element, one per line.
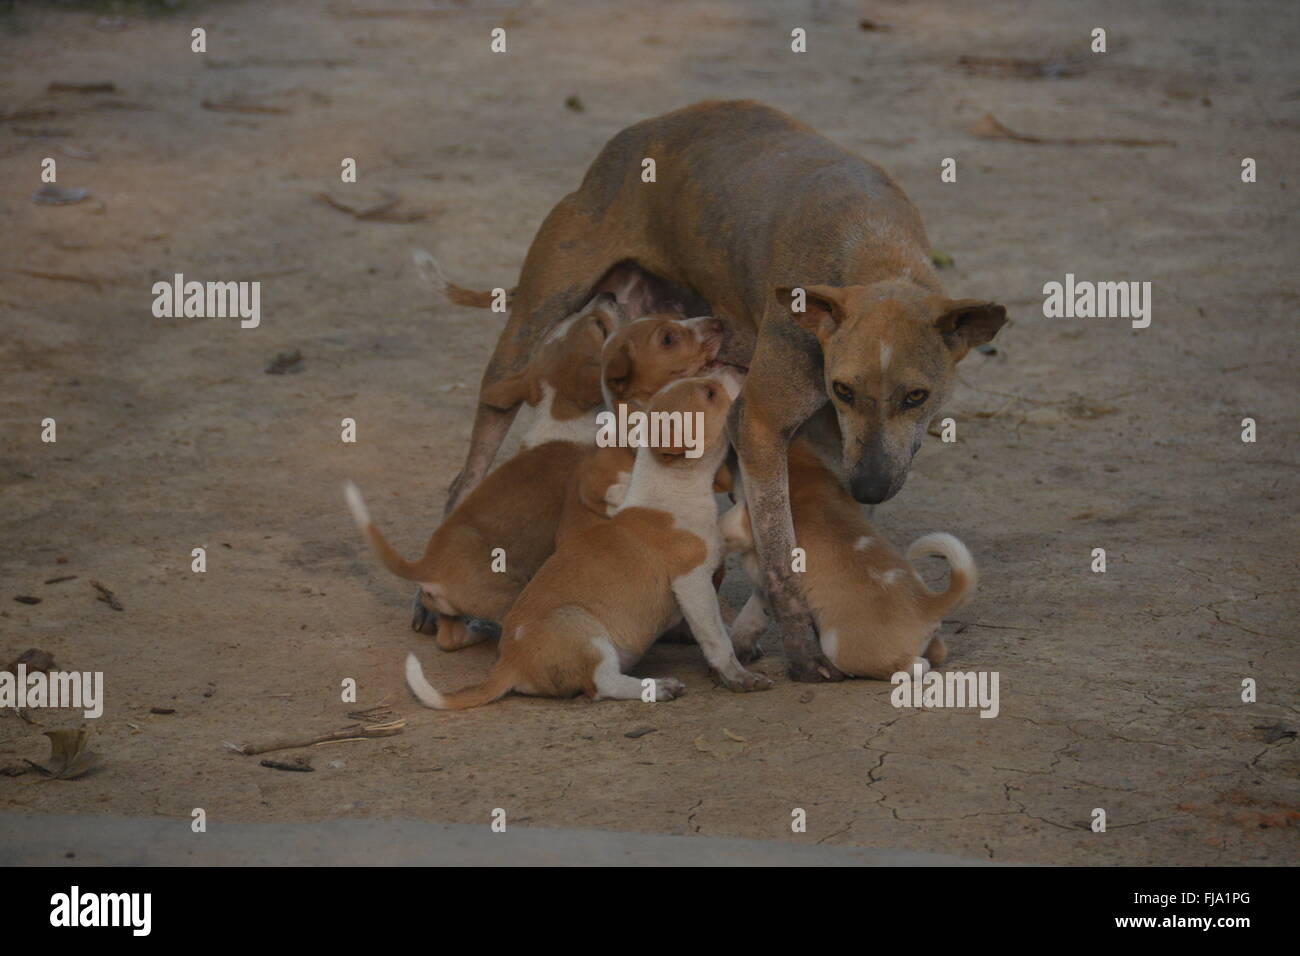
<point>598,604</point>
<point>874,614</point>
<point>638,360</point>
<point>511,519</point>
<point>562,382</point>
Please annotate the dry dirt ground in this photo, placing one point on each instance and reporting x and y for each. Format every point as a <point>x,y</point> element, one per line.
<point>1120,691</point>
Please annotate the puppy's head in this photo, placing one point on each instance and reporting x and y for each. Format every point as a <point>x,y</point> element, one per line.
<point>889,354</point>
<point>645,355</point>
<point>567,364</point>
<point>696,408</point>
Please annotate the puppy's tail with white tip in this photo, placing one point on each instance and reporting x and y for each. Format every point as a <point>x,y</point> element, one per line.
<point>963,575</point>
<point>449,291</point>
<point>497,685</point>
<point>392,560</point>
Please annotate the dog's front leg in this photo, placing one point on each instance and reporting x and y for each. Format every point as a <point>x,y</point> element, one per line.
<point>762,449</point>
<point>699,605</point>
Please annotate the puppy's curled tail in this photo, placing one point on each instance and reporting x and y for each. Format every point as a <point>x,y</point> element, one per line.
<point>964,577</point>
<point>497,685</point>
<point>432,273</point>
<point>392,560</point>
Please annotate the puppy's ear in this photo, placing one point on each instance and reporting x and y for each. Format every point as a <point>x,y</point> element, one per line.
<point>618,370</point>
<point>822,311</point>
<point>509,392</point>
<point>604,320</point>
<point>966,323</point>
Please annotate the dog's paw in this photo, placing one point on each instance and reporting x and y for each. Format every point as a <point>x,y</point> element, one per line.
<point>742,681</point>
<point>668,688</point>
<point>813,669</point>
<point>423,620</point>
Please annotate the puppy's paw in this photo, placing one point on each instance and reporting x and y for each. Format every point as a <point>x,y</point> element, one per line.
<point>668,688</point>
<point>423,619</point>
<point>614,496</point>
<point>742,681</point>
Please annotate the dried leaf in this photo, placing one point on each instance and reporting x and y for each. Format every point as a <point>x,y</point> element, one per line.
<point>385,211</point>
<point>987,127</point>
<point>69,757</point>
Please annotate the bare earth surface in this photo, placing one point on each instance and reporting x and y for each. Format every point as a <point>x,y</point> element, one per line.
<point>1119,691</point>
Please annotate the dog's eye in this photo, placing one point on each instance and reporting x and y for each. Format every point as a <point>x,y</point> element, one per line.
<point>842,392</point>
<point>915,397</point>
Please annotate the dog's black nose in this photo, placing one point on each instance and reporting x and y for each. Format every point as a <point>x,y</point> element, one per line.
<point>871,489</point>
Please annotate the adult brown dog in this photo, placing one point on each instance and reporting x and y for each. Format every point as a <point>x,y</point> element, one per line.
<point>763,218</point>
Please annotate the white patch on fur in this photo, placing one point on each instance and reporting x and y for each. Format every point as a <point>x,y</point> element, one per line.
<point>519,633</point>
<point>831,646</point>
<point>544,427</point>
<point>357,505</point>
<point>862,543</point>
<point>886,353</point>
<point>893,574</point>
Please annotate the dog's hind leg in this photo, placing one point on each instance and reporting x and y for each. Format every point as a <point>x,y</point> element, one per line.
<point>612,684</point>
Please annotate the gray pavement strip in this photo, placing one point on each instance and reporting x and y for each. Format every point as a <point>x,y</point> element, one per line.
<point>46,840</point>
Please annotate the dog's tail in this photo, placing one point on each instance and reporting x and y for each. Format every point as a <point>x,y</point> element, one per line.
<point>432,273</point>
<point>392,560</point>
<point>964,577</point>
<point>498,684</point>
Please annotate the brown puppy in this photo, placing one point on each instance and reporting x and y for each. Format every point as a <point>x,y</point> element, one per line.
<point>874,614</point>
<point>820,266</point>
<point>599,603</point>
<point>483,554</point>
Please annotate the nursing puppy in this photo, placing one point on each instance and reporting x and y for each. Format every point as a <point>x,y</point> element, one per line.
<point>638,360</point>
<point>874,614</point>
<point>599,603</point>
<point>510,519</point>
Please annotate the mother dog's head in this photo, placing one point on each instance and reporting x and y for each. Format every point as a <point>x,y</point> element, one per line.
<point>889,353</point>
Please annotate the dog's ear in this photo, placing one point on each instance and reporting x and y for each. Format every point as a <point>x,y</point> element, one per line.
<point>618,371</point>
<point>967,323</point>
<point>822,312</point>
<point>509,392</point>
